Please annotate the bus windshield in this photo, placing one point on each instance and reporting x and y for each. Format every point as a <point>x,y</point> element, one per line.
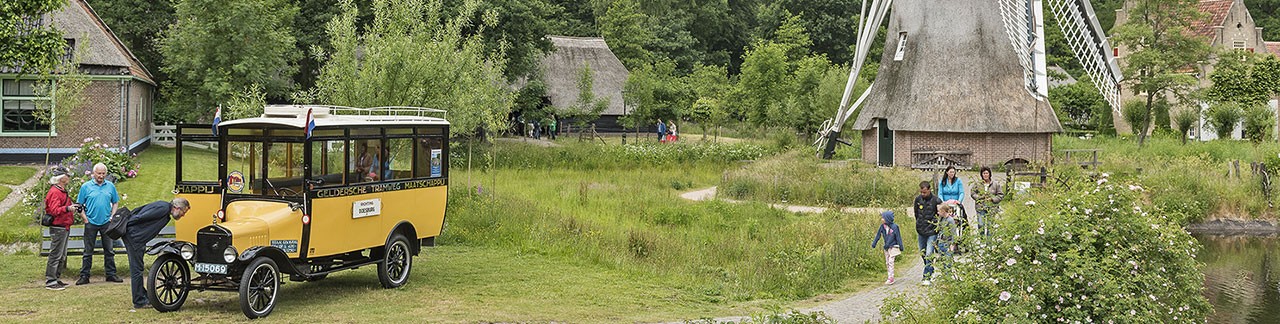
<point>266,168</point>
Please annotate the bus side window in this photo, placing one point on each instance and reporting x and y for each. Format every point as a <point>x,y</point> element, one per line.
<point>366,161</point>
<point>399,155</point>
<point>430,160</point>
<point>328,162</point>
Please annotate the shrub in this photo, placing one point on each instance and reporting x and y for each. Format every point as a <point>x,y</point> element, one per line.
<point>1184,119</point>
<point>1222,118</point>
<point>1088,251</point>
<point>1135,113</point>
<point>1257,123</point>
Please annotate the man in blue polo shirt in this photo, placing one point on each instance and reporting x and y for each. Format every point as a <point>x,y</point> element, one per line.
<point>100,201</point>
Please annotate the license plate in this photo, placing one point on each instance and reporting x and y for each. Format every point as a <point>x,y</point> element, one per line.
<point>211,268</point>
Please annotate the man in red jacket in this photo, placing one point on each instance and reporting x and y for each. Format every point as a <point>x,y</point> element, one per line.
<point>58,205</point>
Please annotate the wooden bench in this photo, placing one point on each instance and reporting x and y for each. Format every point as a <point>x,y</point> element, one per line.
<point>1089,163</point>
<point>940,159</point>
<point>75,241</point>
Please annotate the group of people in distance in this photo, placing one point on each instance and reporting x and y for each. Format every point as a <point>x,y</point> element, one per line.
<point>667,131</point>
<point>941,219</point>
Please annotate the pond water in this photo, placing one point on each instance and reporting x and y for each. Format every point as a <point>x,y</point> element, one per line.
<point>1242,278</point>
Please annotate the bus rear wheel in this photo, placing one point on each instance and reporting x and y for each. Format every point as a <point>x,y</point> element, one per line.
<point>396,263</point>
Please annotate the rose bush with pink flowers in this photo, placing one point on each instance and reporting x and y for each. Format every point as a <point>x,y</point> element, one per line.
<point>1090,250</point>
<point>120,164</point>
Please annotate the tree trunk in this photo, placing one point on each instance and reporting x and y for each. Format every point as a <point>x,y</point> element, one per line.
<point>47,150</point>
<point>1146,121</point>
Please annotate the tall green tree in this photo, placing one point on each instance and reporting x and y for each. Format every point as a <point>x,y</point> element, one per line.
<point>764,83</point>
<point>519,29</point>
<point>217,48</point>
<point>830,24</point>
<point>1158,34</point>
<point>655,91</point>
<point>24,41</point>
<point>807,109</point>
<point>626,29</point>
<point>414,55</point>
<point>311,41</point>
<point>1243,78</point>
<point>139,24</point>
<point>710,85</point>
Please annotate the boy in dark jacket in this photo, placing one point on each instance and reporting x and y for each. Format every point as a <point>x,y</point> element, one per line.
<point>145,223</point>
<point>892,241</point>
<point>926,208</point>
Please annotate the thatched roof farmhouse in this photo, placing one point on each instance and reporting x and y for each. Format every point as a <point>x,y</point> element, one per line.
<point>561,68</point>
<point>950,92</point>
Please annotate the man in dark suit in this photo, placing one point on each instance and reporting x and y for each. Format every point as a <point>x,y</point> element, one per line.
<point>145,223</point>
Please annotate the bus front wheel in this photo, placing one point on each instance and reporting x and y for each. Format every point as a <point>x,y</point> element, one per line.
<point>258,288</point>
<point>168,283</point>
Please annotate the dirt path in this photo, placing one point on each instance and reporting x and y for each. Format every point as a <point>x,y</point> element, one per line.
<point>860,307</point>
<point>18,190</point>
<point>710,193</point>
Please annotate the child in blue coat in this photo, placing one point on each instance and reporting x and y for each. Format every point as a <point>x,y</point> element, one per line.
<point>892,241</point>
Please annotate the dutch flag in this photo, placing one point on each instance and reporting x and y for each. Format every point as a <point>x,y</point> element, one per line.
<point>217,118</point>
<point>311,123</point>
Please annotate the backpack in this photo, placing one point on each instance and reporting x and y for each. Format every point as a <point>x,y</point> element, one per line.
<point>117,225</point>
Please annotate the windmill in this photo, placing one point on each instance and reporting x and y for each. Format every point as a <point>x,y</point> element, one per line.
<point>963,82</point>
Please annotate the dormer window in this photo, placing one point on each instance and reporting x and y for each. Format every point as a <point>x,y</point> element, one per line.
<point>902,46</point>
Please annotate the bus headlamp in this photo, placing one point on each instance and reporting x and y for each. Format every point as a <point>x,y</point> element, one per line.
<point>187,251</point>
<point>229,254</point>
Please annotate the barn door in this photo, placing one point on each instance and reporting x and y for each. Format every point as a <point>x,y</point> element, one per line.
<point>885,140</point>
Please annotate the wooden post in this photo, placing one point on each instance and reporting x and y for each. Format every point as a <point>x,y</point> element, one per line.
<point>1095,161</point>
<point>1044,177</point>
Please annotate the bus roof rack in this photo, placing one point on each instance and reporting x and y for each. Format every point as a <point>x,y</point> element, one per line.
<point>390,110</point>
<point>321,111</point>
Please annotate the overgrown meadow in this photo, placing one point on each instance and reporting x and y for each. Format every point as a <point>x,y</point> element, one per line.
<point>1197,177</point>
<point>619,207</point>
<point>797,177</point>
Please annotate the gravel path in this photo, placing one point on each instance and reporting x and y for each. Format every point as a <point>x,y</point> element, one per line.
<point>18,190</point>
<point>861,307</point>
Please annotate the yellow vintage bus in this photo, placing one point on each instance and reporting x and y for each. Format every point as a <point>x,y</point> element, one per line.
<point>367,186</point>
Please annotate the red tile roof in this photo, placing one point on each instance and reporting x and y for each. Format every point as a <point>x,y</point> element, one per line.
<point>1216,14</point>
<point>1273,48</point>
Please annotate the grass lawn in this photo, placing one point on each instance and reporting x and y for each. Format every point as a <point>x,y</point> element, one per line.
<point>14,175</point>
<point>452,284</point>
<point>607,242</point>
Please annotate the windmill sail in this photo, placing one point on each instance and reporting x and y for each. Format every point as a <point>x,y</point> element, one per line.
<point>1024,22</point>
<point>1087,39</point>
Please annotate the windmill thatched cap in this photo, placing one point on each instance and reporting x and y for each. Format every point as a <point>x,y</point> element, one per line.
<point>562,67</point>
<point>958,74</point>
